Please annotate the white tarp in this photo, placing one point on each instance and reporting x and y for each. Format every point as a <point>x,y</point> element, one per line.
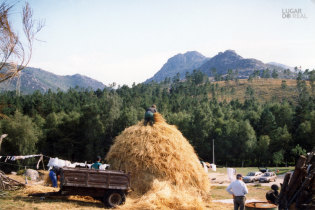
<point>231,174</point>
<point>104,166</point>
<point>58,163</point>
<point>204,166</point>
<point>66,163</point>
<point>213,167</point>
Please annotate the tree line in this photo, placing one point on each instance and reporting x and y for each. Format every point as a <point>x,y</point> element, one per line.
<point>81,123</point>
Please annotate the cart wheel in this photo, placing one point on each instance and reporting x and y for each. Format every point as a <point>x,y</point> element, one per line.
<point>114,198</point>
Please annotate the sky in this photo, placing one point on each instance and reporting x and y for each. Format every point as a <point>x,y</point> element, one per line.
<point>128,42</point>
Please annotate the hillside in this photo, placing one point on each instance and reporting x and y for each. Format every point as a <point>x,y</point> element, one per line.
<point>32,79</point>
<point>73,124</point>
<point>281,65</point>
<point>264,90</point>
<point>222,62</point>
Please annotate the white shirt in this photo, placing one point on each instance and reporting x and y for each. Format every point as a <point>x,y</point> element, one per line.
<point>238,188</point>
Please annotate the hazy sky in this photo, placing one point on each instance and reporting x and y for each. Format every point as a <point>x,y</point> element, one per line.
<point>129,41</point>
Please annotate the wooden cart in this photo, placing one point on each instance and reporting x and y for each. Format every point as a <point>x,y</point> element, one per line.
<point>108,186</point>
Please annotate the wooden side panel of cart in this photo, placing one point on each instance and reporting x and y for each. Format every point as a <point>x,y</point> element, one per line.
<point>83,181</point>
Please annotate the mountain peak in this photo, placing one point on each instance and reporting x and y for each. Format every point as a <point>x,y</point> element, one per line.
<point>229,59</point>
<point>222,62</point>
<point>180,63</point>
<point>229,53</point>
<point>193,53</point>
<point>77,76</point>
<point>187,56</point>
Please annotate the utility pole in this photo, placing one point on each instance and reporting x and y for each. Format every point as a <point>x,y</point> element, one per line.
<point>213,151</point>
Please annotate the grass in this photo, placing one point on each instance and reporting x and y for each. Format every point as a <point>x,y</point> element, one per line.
<point>264,90</point>
<point>245,170</point>
<point>255,192</point>
<point>18,200</point>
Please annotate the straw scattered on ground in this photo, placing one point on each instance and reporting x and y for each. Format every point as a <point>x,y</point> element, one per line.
<point>30,189</point>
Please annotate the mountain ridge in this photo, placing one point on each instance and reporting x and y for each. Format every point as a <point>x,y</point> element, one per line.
<point>229,59</point>
<point>222,62</point>
<point>32,79</point>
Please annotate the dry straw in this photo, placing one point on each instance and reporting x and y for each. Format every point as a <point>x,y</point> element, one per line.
<point>30,189</point>
<point>165,170</point>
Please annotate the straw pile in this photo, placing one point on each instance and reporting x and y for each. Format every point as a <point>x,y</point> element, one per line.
<point>165,169</point>
<point>47,180</point>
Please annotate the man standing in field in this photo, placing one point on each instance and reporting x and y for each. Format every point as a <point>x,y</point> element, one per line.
<point>238,189</point>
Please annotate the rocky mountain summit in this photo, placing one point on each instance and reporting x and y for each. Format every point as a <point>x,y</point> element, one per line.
<point>222,62</point>
<point>180,63</point>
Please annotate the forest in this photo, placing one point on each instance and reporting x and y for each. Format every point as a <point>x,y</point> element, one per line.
<point>79,124</point>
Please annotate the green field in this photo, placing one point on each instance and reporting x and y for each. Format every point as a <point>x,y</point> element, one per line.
<point>264,90</point>
<point>254,192</point>
<point>244,171</point>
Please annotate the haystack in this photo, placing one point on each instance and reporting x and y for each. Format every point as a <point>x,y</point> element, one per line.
<point>163,165</point>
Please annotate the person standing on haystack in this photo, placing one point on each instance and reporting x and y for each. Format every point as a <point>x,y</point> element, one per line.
<point>149,115</point>
<point>238,189</point>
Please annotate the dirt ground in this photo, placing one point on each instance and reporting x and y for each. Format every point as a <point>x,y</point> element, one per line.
<point>19,199</point>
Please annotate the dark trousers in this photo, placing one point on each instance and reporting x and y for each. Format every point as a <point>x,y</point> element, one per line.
<point>239,202</point>
<point>149,118</point>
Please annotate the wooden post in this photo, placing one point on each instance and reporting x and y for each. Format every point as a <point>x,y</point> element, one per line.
<point>43,163</point>
<point>283,200</point>
<point>302,194</point>
<point>297,177</point>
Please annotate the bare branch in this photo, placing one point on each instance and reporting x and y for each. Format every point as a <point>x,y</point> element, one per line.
<point>15,55</point>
